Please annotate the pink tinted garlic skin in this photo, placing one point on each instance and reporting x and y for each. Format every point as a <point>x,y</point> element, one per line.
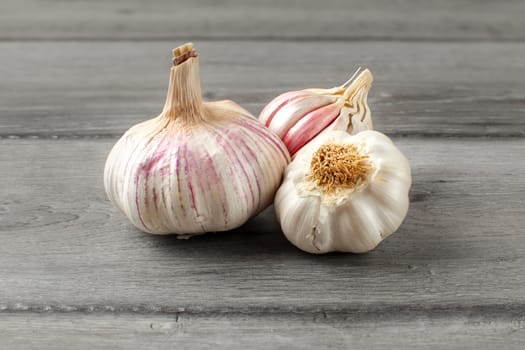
<point>300,116</point>
<point>271,108</point>
<point>198,167</point>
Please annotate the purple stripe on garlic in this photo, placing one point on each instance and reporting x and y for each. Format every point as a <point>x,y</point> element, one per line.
<point>199,166</point>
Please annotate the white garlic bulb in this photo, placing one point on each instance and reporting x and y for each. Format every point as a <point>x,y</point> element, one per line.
<point>344,193</point>
<point>197,167</point>
<point>299,116</point>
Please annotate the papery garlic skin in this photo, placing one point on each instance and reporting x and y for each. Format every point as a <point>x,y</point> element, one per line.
<point>300,116</point>
<point>350,218</point>
<point>198,167</point>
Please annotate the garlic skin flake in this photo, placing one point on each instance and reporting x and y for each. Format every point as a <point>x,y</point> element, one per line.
<point>344,193</point>
<point>199,166</point>
<point>299,116</point>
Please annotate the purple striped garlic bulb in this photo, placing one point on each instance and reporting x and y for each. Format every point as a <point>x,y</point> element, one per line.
<point>199,166</point>
<point>297,117</point>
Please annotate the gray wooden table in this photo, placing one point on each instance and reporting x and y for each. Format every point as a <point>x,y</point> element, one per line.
<point>449,89</point>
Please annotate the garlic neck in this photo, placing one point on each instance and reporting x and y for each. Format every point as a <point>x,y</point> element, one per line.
<point>334,167</point>
<point>184,99</point>
<point>360,84</point>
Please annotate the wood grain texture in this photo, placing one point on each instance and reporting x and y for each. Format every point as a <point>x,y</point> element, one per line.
<point>449,86</point>
<point>255,19</point>
<point>130,331</point>
<point>98,89</point>
<point>64,248</point>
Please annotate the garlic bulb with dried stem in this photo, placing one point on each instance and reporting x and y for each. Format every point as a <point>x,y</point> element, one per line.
<point>197,167</point>
<point>299,116</point>
<point>344,192</point>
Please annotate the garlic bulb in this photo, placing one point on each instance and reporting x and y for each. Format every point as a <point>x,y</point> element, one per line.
<point>197,167</point>
<point>299,116</point>
<point>344,193</point>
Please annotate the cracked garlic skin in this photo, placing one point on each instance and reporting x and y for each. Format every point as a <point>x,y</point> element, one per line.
<point>344,193</point>
<point>300,116</point>
<point>199,166</point>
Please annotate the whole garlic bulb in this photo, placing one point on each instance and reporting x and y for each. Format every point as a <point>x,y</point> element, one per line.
<point>197,167</point>
<point>299,116</point>
<point>344,193</point>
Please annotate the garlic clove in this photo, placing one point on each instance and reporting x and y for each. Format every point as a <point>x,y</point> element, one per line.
<point>357,187</point>
<point>284,115</point>
<point>291,113</point>
<point>276,104</point>
<point>199,166</point>
<point>309,126</point>
<point>306,222</point>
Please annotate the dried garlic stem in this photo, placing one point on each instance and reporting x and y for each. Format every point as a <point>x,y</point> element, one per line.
<point>363,81</point>
<point>184,99</point>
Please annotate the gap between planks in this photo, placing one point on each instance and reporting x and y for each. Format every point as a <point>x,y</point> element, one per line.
<point>261,39</point>
<point>385,311</point>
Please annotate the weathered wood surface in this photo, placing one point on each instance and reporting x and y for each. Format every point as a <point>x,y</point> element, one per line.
<point>405,330</point>
<point>101,89</point>
<point>65,248</point>
<point>255,19</point>
<point>75,274</point>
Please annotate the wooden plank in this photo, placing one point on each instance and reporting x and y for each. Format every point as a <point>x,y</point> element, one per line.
<point>64,248</point>
<point>99,89</point>
<point>281,331</point>
<point>329,19</point>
